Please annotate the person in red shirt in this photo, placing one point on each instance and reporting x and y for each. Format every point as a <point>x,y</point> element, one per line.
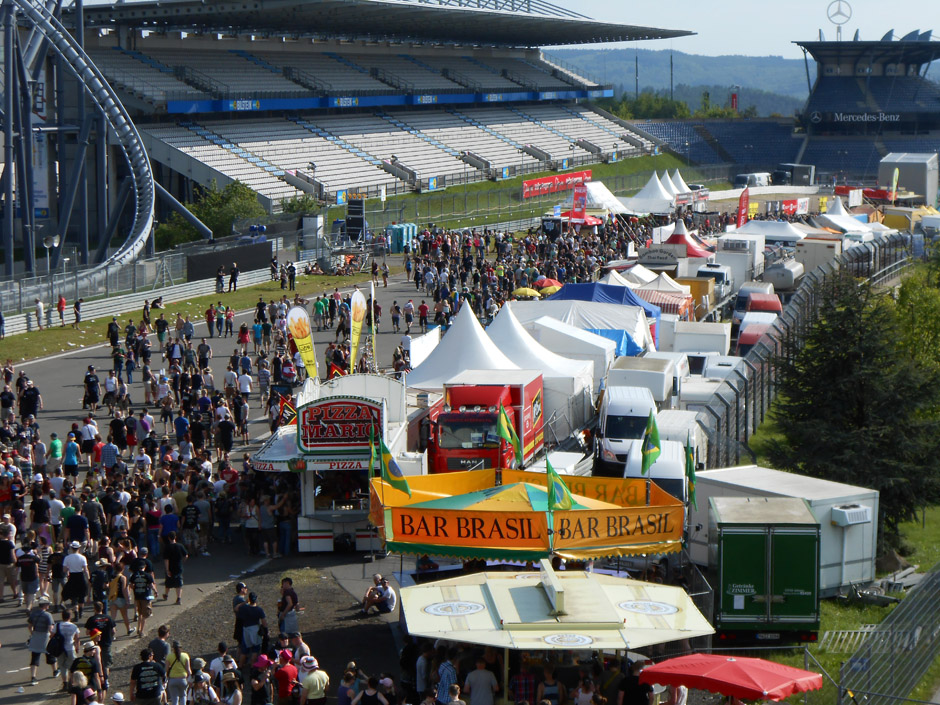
<point>423,311</point>
<point>60,307</point>
<point>286,675</point>
<point>210,319</point>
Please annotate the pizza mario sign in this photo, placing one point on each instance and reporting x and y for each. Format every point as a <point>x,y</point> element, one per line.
<point>338,425</point>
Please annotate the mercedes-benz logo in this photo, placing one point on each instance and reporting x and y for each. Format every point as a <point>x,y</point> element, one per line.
<point>815,117</point>
<point>839,12</point>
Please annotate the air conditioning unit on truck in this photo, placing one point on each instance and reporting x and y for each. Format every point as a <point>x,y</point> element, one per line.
<point>464,434</point>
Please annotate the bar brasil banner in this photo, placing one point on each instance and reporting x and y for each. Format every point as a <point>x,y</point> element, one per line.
<point>554,183</point>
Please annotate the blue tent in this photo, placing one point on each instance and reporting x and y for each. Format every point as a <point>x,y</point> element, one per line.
<point>625,343</point>
<point>607,294</point>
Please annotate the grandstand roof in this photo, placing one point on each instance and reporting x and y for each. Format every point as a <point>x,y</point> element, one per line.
<point>376,19</point>
<point>912,52</point>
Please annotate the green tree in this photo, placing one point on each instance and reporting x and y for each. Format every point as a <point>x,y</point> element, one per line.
<point>854,407</point>
<point>307,203</point>
<point>216,208</point>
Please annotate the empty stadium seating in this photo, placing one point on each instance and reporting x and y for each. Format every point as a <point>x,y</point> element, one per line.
<point>683,138</point>
<point>831,94</point>
<point>853,157</point>
<point>240,75</point>
<point>904,94</point>
<point>755,142</point>
<point>336,75</point>
<point>144,80</point>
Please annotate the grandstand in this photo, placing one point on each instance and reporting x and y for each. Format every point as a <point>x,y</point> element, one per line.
<point>332,97</point>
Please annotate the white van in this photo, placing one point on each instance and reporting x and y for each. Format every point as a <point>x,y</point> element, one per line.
<point>668,471</point>
<point>757,178</point>
<point>621,424</point>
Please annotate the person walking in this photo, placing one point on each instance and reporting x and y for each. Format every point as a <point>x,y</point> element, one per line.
<point>41,625</point>
<point>178,671</point>
<point>147,680</point>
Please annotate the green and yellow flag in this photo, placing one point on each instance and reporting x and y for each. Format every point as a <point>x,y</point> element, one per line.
<point>373,455</point>
<point>651,448</point>
<point>391,473</point>
<point>690,470</point>
<point>506,431</point>
<point>559,496</point>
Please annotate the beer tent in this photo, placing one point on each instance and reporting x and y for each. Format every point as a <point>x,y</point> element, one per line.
<point>464,347</point>
<point>465,515</point>
<point>568,383</point>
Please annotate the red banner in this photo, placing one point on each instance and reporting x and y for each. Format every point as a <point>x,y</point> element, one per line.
<point>743,203</point>
<point>789,207</point>
<point>554,183</point>
<point>579,204</point>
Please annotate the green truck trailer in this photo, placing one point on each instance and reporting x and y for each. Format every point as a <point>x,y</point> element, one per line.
<point>764,557</point>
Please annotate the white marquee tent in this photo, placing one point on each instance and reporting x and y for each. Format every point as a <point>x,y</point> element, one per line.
<point>568,383</point>
<point>838,218</point>
<point>667,183</point>
<point>576,343</point>
<point>636,275</point>
<point>599,198</point>
<point>666,283</point>
<point>652,198</point>
<point>465,347</point>
<point>679,182</point>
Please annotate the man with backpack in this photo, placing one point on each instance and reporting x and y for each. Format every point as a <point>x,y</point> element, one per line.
<point>102,626</point>
<point>142,585</point>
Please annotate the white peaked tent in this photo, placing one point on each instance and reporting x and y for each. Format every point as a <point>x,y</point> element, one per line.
<point>568,383</point>
<point>679,182</point>
<point>838,218</point>
<point>614,278</point>
<point>599,197</point>
<point>575,343</point>
<point>652,198</point>
<point>465,347</point>
<point>666,283</point>
<point>667,183</point>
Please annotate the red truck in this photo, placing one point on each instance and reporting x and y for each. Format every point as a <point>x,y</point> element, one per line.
<point>464,437</point>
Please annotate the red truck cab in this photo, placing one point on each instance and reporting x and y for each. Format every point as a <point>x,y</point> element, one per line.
<point>464,435</point>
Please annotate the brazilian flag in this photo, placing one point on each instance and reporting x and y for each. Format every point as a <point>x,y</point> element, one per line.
<point>559,496</point>
<point>506,431</point>
<point>373,452</point>
<point>651,446</point>
<point>690,470</point>
<point>391,473</point>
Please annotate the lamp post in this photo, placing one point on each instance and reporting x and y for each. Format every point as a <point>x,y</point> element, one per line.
<point>49,241</point>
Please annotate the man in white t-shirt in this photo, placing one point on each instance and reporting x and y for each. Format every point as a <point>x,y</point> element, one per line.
<point>244,384</point>
<point>142,462</point>
<point>383,599</point>
<point>55,513</point>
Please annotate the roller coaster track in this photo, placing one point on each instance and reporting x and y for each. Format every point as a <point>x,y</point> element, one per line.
<point>104,97</point>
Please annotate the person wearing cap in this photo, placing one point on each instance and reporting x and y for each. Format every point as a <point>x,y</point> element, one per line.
<point>40,624</point>
<point>30,401</point>
<point>201,691</point>
<point>118,697</point>
<point>229,665</point>
<point>286,677</point>
<point>372,591</point>
<point>87,665</point>
<point>75,566</point>
<point>253,620</point>
<point>383,599</point>
<point>298,648</point>
<point>147,680</point>
<point>313,681</point>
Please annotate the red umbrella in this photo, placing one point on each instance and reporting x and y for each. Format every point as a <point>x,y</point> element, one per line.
<point>585,220</point>
<point>541,283</point>
<point>745,678</point>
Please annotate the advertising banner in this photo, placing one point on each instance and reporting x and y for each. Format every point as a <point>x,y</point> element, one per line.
<point>802,206</point>
<point>616,527</point>
<point>298,325</point>
<point>823,203</point>
<point>789,207</point>
<point>470,529</point>
<point>554,183</point>
<point>579,204</point>
<point>743,203</point>
<point>357,313</point>
<point>336,425</point>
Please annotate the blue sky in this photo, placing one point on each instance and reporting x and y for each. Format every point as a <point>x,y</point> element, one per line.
<point>758,27</point>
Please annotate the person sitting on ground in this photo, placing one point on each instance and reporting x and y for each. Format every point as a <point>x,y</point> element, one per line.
<point>383,599</point>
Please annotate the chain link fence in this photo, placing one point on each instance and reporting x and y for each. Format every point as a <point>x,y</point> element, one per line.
<point>894,658</point>
<point>742,401</point>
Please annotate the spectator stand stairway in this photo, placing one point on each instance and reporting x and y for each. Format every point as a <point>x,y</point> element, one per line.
<point>235,149</point>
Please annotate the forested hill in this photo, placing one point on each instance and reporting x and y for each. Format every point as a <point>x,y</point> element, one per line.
<point>772,74</point>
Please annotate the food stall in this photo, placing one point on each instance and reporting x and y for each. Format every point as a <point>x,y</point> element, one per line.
<point>328,446</point>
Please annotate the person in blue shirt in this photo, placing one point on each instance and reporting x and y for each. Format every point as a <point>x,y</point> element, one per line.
<point>169,523</point>
<point>181,425</point>
<point>71,456</point>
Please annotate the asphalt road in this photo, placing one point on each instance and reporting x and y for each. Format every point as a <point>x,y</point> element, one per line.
<point>59,379</point>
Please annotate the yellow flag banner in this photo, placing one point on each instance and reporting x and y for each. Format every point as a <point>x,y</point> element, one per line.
<point>357,313</point>
<point>298,324</point>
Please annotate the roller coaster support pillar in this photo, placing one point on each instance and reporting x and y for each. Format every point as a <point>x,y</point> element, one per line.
<point>183,211</point>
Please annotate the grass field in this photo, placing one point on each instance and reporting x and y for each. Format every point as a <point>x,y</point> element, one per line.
<point>56,339</point>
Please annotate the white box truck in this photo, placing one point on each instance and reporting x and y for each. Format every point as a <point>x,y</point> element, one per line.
<point>701,336</point>
<point>682,426</point>
<point>656,374</point>
<point>848,516</point>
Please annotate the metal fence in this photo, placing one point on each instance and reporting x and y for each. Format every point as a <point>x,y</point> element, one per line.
<point>895,656</point>
<point>742,401</point>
